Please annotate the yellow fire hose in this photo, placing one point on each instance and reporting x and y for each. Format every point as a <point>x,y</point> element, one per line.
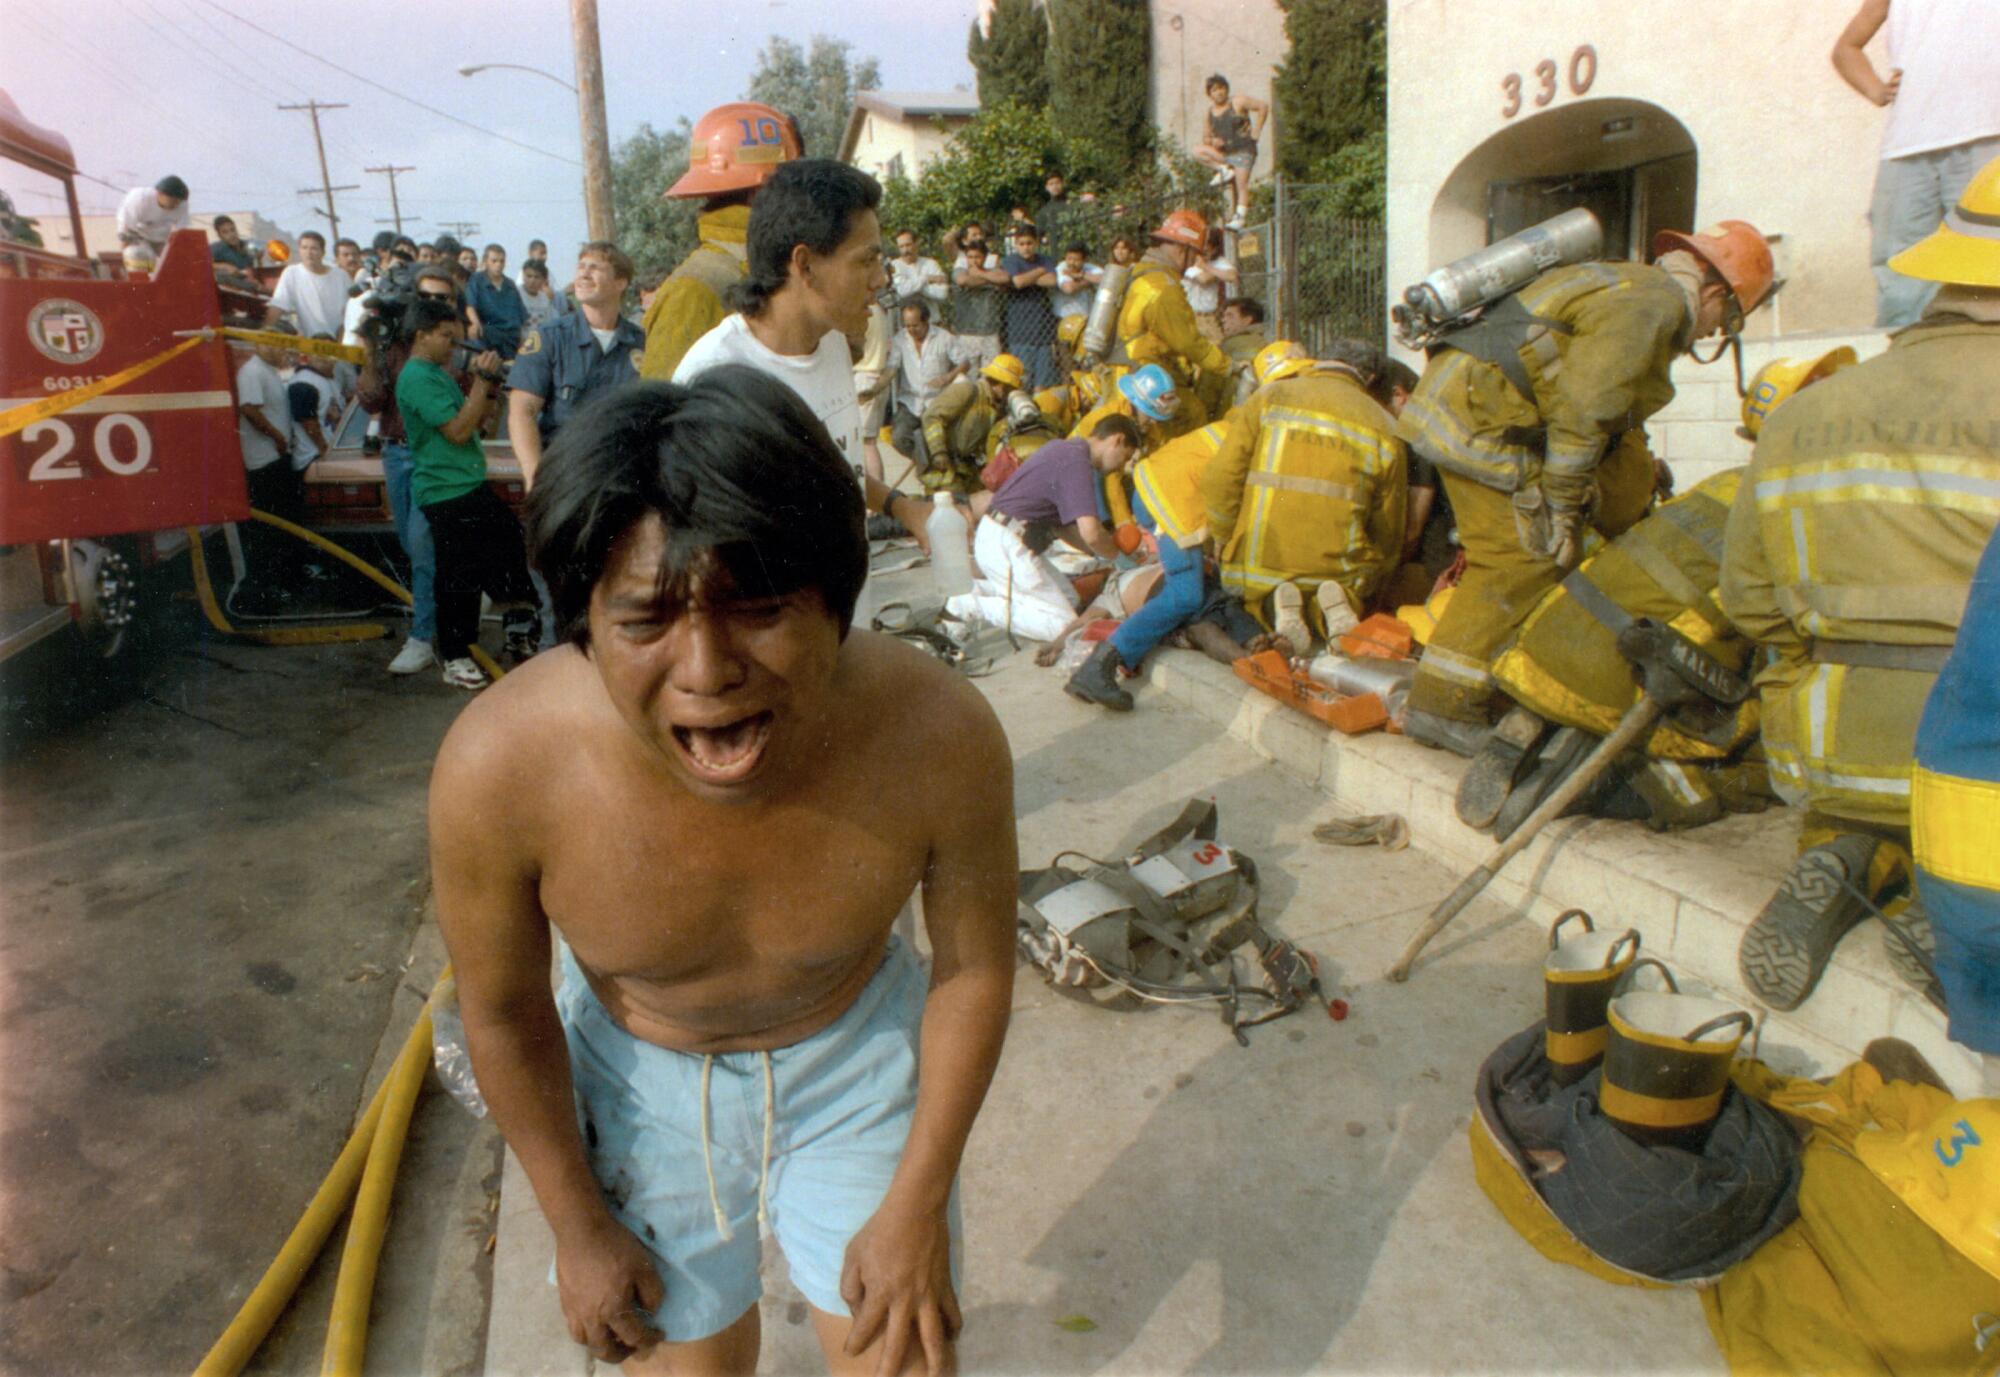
<point>392,1102</point>
<point>308,635</point>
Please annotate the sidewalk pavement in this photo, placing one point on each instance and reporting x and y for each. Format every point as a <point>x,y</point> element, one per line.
<point>1303,1205</point>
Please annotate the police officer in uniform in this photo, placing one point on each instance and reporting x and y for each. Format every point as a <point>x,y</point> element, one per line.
<point>571,356</point>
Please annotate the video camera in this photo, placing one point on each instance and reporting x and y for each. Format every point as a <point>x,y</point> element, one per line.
<point>462,355</point>
<point>394,290</point>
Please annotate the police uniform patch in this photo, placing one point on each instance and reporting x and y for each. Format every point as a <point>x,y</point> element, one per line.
<point>638,358</point>
<point>531,343</point>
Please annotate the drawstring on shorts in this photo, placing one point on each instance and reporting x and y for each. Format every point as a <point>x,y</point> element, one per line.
<point>722,1228</point>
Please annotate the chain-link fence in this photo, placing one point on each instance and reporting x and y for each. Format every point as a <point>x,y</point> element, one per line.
<point>1322,272</point>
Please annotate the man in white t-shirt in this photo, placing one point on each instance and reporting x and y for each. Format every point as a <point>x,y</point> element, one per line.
<point>1076,282</point>
<point>264,429</point>
<point>914,276</point>
<point>1943,125</point>
<point>150,214</point>
<point>315,406</point>
<point>814,251</point>
<point>311,291</point>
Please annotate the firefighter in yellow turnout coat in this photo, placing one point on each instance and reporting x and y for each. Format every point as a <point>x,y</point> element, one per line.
<point>1306,498</point>
<point>1533,417</point>
<point>730,153</point>
<point>1851,547</point>
<point>1155,322</point>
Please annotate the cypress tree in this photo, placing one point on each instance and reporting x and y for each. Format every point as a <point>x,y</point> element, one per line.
<point>1100,68</point>
<point>1012,60</point>
<point>1332,90</point>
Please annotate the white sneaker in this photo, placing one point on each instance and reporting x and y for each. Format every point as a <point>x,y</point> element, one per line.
<point>1236,221</point>
<point>414,655</point>
<point>465,674</point>
<point>1288,602</point>
<point>1223,178</point>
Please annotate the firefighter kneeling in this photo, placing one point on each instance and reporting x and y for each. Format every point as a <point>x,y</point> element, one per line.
<point>1850,549</point>
<point>1533,415</point>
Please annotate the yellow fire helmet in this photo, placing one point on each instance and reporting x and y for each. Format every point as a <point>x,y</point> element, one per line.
<point>1777,380</point>
<point>1965,249</point>
<point>1279,359</point>
<point>1005,369</point>
<point>1948,1173</point>
<point>1070,330</point>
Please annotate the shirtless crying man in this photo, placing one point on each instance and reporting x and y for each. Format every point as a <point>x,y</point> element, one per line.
<point>708,791</point>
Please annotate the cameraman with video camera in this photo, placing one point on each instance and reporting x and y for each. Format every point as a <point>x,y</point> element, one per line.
<point>479,545</point>
<point>388,347</point>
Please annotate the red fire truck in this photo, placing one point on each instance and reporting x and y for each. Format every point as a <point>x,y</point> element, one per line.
<point>93,496</point>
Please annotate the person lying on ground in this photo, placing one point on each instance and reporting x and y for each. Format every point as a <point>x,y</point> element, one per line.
<point>704,789</point>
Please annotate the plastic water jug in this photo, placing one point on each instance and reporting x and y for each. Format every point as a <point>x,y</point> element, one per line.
<point>951,557</point>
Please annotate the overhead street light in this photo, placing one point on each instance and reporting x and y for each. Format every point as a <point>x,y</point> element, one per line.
<point>515,67</point>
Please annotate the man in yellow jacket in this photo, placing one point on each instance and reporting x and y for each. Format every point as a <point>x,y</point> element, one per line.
<point>1306,497</point>
<point>1534,416</point>
<point>1155,322</point>
<point>733,149</point>
<point>961,426</point>
<point>1848,555</point>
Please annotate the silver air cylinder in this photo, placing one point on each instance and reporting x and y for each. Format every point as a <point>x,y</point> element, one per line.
<point>1483,277</point>
<point>1100,328</point>
<point>1389,680</point>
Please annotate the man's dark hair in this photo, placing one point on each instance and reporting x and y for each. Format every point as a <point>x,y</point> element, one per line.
<point>404,253</point>
<point>1215,79</point>
<point>339,244</point>
<point>1364,357</point>
<point>426,313</point>
<point>172,186</point>
<point>1026,229</point>
<point>534,266</point>
<point>534,244</point>
<point>1249,307</point>
<point>1083,249</point>
<point>495,248</point>
<point>312,234</point>
<point>446,247</point>
<point>1119,425</point>
<point>976,225</point>
<point>383,241</point>
<point>222,220</point>
<point>620,261</point>
<point>1397,374</point>
<point>653,279</point>
<point>917,304</point>
<point>432,272</point>
<point>403,241</point>
<point>901,232</point>
<point>810,201</point>
<point>744,477</point>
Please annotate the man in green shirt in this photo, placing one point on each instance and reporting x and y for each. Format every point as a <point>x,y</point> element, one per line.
<point>478,540</point>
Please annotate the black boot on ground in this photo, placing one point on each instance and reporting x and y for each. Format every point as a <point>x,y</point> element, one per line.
<point>1444,733</point>
<point>1096,680</point>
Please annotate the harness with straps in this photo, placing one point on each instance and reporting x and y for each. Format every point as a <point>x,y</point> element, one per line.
<point>1499,335</point>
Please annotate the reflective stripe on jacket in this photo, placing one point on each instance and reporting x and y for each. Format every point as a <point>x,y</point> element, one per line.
<point>1867,506</point>
<point>1564,663</point>
<point>691,302</point>
<point>1168,481</point>
<point>1603,371</point>
<point>1310,485</point>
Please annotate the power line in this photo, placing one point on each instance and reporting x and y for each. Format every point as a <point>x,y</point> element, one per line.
<point>389,91</point>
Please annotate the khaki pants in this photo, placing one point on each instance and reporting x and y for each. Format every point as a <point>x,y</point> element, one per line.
<point>1503,581</point>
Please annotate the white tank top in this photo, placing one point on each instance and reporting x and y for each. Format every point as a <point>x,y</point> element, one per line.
<point>1947,50</point>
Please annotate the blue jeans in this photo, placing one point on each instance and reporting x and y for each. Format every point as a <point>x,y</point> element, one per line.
<point>1911,197</point>
<point>414,531</point>
<point>1179,598</point>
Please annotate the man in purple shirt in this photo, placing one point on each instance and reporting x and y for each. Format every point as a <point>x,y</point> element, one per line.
<point>1056,493</point>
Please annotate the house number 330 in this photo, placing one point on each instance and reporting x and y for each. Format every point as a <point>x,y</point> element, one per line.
<point>1582,72</point>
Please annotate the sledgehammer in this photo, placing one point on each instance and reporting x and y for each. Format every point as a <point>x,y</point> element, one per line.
<point>1675,676</point>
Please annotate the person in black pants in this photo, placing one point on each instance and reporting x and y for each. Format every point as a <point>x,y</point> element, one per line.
<point>479,546</point>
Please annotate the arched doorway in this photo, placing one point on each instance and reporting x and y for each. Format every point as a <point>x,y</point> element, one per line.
<point>1629,162</point>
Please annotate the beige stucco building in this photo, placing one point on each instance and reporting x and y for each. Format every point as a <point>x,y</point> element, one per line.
<point>1501,114</point>
<point>894,133</point>
<point>1244,40</point>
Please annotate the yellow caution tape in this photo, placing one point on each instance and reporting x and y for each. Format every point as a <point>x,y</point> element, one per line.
<point>21,417</point>
<point>325,348</point>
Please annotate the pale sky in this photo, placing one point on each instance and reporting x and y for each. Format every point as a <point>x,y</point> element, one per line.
<point>142,88</point>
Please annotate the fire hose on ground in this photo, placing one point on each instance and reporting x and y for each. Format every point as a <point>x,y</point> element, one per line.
<point>368,1165</point>
<point>306,635</point>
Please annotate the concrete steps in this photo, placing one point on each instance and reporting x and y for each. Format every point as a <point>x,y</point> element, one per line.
<point>1689,894</point>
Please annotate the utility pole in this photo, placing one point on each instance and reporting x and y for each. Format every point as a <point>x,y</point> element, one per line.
<point>590,110</point>
<point>395,206</point>
<point>459,229</point>
<point>313,107</point>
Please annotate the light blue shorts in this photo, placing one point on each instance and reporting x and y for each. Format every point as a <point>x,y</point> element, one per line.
<point>842,1104</point>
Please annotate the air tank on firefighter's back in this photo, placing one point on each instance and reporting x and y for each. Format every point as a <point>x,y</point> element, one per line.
<point>1100,328</point>
<point>1492,272</point>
